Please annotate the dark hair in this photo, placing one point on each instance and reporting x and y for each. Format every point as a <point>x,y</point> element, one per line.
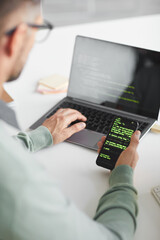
<point>7,6</point>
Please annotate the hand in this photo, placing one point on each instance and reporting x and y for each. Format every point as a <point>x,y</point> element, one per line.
<point>59,122</point>
<point>129,156</point>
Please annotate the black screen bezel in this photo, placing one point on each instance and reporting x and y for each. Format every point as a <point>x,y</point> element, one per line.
<point>141,112</point>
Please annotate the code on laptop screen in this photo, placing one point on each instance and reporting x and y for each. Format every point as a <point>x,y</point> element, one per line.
<point>115,75</point>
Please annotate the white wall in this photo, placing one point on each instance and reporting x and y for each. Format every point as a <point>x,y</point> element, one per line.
<point>64,12</point>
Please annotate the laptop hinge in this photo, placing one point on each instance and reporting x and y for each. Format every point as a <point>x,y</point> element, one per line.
<point>112,110</point>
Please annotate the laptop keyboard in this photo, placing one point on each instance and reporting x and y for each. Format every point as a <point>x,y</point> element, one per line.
<point>97,120</point>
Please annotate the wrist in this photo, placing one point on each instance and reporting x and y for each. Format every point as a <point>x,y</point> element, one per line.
<point>121,174</point>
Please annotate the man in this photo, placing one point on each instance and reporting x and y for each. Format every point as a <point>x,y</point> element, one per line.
<point>31,205</point>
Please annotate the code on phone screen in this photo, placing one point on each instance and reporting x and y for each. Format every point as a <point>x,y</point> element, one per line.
<point>117,140</point>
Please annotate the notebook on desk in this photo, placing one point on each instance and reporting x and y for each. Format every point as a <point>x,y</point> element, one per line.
<point>109,79</point>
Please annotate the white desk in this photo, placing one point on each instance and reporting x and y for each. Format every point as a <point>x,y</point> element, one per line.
<point>73,166</point>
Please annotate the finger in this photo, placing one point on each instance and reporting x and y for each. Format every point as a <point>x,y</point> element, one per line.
<point>65,111</point>
<point>73,117</point>
<point>103,139</point>
<point>68,111</point>
<point>135,139</point>
<point>74,129</point>
<point>58,112</point>
<point>67,116</point>
<point>100,144</point>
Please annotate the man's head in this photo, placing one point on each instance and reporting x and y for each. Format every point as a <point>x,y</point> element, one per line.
<point>15,47</point>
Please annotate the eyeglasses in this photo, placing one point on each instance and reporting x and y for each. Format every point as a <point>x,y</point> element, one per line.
<point>41,36</point>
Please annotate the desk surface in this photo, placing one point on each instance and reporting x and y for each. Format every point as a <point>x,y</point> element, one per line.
<point>74,166</point>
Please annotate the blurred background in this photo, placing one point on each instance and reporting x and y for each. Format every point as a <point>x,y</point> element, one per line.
<point>69,12</point>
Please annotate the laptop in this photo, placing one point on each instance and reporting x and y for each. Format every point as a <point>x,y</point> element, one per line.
<point>108,79</point>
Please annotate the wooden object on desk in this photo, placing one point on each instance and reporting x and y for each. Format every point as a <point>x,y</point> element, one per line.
<point>155,128</point>
<point>53,84</point>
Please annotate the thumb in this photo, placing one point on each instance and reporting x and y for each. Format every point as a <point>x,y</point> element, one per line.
<point>75,128</point>
<point>135,139</point>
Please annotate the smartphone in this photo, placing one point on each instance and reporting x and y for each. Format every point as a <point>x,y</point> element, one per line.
<point>117,140</point>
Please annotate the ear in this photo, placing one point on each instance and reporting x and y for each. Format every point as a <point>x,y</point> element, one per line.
<point>16,40</point>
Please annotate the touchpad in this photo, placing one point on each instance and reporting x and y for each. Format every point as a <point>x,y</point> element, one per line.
<point>86,138</point>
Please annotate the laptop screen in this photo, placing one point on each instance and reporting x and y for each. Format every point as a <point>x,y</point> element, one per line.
<point>117,76</point>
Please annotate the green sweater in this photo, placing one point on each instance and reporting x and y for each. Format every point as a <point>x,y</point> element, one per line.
<point>32,207</point>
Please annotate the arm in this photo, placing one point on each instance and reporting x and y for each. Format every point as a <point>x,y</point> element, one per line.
<point>33,207</point>
<point>35,140</point>
<point>53,131</point>
<point>118,209</point>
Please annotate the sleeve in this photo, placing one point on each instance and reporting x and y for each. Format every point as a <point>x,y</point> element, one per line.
<point>117,209</point>
<point>35,140</point>
<point>33,206</point>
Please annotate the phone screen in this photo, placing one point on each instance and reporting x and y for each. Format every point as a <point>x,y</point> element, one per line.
<point>117,140</point>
